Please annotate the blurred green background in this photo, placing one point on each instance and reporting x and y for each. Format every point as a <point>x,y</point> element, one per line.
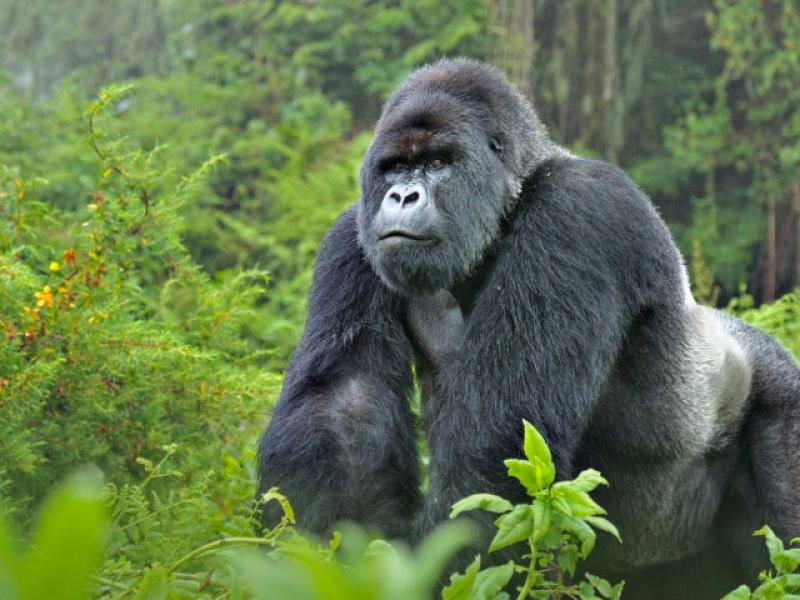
<point>156,242</point>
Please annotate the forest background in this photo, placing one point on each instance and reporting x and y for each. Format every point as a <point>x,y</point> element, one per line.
<point>157,239</point>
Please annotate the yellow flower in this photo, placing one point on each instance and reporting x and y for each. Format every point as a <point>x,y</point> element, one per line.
<point>45,297</point>
<point>54,267</point>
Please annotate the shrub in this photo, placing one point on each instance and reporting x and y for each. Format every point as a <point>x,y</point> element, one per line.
<point>557,526</point>
<point>114,343</point>
<point>778,319</point>
<point>154,550</point>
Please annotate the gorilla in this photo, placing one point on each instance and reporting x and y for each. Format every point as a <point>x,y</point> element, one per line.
<point>512,279</point>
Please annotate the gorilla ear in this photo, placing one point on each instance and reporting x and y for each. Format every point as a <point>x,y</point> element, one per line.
<point>496,145</point>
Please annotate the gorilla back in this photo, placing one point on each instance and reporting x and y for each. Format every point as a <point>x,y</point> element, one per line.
<point>525,282</point>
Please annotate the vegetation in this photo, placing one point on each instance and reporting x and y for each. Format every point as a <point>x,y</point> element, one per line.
<point>156,250</point>
<point>557,526</point>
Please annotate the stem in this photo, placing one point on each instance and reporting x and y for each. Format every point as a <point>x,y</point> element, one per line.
<point>569,592</point>
<point>560,578</point>
<point>109,161</point>
<point>111,583</point>
<point>526,587</point>
<point>216,545</point>
<point>104,158</point>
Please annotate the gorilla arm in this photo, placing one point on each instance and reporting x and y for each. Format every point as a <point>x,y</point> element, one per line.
<point>341,441</point>
<point>544,333</point>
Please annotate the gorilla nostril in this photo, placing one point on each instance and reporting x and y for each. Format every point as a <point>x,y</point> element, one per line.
<point>411,198</point>
<point>395,196</point>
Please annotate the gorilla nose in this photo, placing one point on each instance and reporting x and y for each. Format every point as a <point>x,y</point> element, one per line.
<point>401,197</point>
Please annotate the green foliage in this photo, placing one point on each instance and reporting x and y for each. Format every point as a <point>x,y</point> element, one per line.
<point>784,582</point>
<point>779,319</point>
<point>114,342</point>
<point>156,544</point>
<point>558,526</point>
<point>744,143</point>
<point>703,287</point>
<point>65,549</point>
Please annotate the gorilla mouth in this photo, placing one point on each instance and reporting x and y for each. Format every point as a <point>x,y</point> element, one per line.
<point>396,234</point>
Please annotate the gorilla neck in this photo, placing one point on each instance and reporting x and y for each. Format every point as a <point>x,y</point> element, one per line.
<point>466,290</point>
<point>437,319</point>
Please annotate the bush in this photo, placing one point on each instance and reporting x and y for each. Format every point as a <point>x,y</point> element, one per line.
<point>155,548</point>
<point>115,343</point>
<point>778,319</point>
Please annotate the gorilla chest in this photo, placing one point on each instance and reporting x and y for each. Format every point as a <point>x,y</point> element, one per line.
<point>436,326</point>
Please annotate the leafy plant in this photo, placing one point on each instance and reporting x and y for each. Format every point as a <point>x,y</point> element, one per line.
<point>778,319</point>
<point>784,583</point>
<point>82,520</point>
<point>113,342</point>
<point>66,547</point>
<point>558,526</point>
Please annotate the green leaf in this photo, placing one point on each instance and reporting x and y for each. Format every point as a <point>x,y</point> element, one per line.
<point>491,581</point>
<point>154,584</point>
<point>616,591</point>
<point>604,525</point>
<point>585,534</point>
<point>580,503</point>
<point>538,454</point>
<point>534,445</point>
<point>542,517</point>
<point>9,565</point>
<point>588,480</point>
<point>534,476</point>
<point>740,593</point>
<point>785,561</point>
<point>513,527</point>
<point>600,584</point>
<point>525,472</point>
<point>487,502</point>
<point>789,581</point>
<point>68,543</point>
<point>586,591</point>
<point>460,587</point>
<point>568,559</point>
<point>560,505</point>
<point>379,548</point>
<point>435,551</point>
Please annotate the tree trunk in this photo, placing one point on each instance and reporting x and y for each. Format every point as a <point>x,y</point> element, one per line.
<point>796,210</point>
<point>771,270</point>
<point>609,78</point>
<point>515,47</point>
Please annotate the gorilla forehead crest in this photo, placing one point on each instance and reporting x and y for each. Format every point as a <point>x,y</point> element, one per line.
<point>462,95</point>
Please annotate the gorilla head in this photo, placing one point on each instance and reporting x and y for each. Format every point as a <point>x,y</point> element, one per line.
<point>451,150</point>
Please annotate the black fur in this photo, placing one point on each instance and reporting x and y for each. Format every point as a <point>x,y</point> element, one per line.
<point>553,292</point>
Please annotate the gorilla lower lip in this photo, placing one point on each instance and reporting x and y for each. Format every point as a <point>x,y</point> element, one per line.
<point>403,235</point>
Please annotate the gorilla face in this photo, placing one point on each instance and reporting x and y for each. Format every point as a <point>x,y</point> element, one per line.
<point>434,190</point>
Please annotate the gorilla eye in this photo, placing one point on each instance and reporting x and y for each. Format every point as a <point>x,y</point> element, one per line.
<point>435,163</point>
<point>397,166</point>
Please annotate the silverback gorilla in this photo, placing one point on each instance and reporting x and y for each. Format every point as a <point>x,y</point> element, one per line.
<point>525,282</point>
